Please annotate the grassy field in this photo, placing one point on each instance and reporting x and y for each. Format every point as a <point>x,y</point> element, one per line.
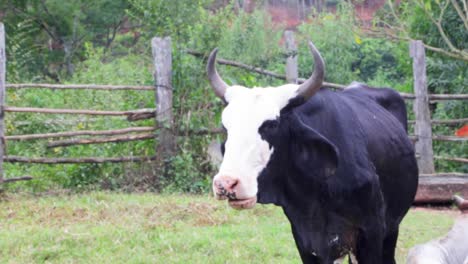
<point>146,228</point>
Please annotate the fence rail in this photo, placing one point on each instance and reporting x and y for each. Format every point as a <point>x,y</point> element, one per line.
<point>445,122</point>
<point>440,138</point>
<point>164,123</point>
<point>79,86</point>
<point>80,133</point>
<point>17,159</point>
<point>71,111</point>
<point>86,141</point>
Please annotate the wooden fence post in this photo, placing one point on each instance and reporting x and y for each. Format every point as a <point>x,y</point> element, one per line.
<point>291,61</point>
<point>2,97</point>
<point>422,126</point>
<point>162,60</point>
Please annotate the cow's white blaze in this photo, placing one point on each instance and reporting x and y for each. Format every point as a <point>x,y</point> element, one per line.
<point>246,153</point>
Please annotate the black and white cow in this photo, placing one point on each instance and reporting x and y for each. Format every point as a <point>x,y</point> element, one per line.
<point>340,164</point>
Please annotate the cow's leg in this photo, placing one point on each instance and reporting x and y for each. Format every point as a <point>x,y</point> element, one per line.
<point>369,245</point>
<point>389,244</point>
<point>308,258</point>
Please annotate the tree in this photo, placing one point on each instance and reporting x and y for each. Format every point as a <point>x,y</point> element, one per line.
<point>48,35</point>
<point>441,24</point>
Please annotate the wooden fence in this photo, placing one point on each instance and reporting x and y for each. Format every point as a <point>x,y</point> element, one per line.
<point>162,114</point>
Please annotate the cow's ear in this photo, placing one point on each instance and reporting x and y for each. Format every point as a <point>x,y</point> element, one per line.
<point>313,153</point>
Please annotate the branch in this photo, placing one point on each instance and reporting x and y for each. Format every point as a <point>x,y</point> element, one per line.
<point>15,159</point>
<point>453,52</point>
<point>460,13</point>
<point>39,21</point>
<point>79,86</point>
<point>24,178</point>
<point>438,23</point>
<point>461,203</point>
<point>80,133</point>
<point>86,141</point>
<point>259,70</point>
<point>74,111</point>
<point>458,54</point>
<point>114,33</point>
<point>462,160</point>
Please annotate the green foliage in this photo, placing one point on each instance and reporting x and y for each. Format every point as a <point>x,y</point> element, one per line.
<point>47,43</point>
<point>333,35</point>
<point>251,39</point>
<point>167,18</point>
<point>350,55</point>
<point>188,173</point>
<point>421,26</point>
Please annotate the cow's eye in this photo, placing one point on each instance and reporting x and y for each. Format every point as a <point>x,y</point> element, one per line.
<point>269,126</point>
<point>223,148</point>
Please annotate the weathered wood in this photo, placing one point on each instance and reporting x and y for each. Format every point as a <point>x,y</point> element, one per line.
<point>440,138</point>
<point>443,97</point>
<point>81,133</point>
<point>439,188</point>
<point>291,61</point>
<point>78,86</point>
<point>407,96</point>
<point>441,175</point>
<point>141,114</point>
<point>450,121</point>
<point>17,159</point>
<point>449,138</point>
<point>461,203</point>
<point>24,178</point>
<point>162,61</point>
<point>422,127</point>
<point>445,121</point>
<point>74,111</point>
<point>191,132</point>
<point>463,160</point>
<point>2,97</point>
<point>87,141</point>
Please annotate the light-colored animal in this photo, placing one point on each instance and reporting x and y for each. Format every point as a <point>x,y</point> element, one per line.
<point>450,249</point>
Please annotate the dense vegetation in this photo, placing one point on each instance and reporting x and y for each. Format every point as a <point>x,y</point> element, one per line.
<point>108,42</point>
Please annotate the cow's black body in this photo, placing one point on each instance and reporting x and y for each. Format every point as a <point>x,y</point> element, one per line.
<point>344,172</point>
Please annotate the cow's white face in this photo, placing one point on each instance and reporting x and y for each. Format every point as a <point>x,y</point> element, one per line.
<point>246,153</point>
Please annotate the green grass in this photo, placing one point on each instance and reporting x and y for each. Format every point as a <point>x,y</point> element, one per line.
<point>146,228</point>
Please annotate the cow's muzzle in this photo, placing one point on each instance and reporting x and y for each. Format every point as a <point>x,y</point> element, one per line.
<point>240,204</point>
<point>226,187</point>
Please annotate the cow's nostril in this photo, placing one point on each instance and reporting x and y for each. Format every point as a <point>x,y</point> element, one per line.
<point>226,184</point>
<point>233,184</point>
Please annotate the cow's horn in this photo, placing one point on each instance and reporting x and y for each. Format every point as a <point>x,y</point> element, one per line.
<point>219,86</point>
<point>313,84</point>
